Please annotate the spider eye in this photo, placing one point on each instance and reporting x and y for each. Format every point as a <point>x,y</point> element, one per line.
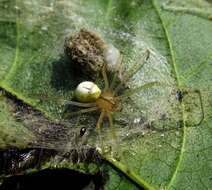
<point>87,91</point>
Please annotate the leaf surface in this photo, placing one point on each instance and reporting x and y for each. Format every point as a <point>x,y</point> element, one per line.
<point>160,142</point>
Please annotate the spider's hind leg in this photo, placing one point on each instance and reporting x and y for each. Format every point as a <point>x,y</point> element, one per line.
<point>86,110</point>
<point>81,104</point>
<point>86,107</point>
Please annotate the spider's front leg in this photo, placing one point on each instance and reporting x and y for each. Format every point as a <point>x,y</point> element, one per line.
<point>100,120</point>
<point>105,77</point>
<point>132,71</point>
<point>117,72</point>
<point>110,118</point>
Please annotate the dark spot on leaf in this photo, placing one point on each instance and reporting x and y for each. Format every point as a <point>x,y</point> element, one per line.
<point>82,131</point>
<point>179,95</point>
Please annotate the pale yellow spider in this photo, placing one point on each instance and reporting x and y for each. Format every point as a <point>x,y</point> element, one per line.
<point>107,101</point>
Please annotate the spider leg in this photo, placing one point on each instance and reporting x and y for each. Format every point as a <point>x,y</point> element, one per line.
<point>74,103</point>
<point>118,149</point>
<point>118,71</point>
<point>133,70</point>
<point>100,120</point>
<point>105,78</point>
<point>81,104</point>
<point>129,92</point>
<point>110,118</point>
<point>115,143</point>
<point>86,110</point>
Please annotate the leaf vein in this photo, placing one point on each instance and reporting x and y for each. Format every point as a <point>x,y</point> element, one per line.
<point>176,74</point>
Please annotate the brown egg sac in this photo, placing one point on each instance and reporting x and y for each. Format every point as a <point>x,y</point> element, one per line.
<point>85,49</point>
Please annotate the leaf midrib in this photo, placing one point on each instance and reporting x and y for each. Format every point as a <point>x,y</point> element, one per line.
<point>178,84</point>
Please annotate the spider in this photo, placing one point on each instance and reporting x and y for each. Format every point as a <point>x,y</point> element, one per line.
<point>107,101</point>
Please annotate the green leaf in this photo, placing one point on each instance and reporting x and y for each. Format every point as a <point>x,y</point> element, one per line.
<point>158,141</point>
